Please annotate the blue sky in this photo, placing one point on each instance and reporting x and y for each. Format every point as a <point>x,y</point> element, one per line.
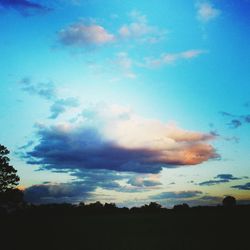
<point>127,101</point>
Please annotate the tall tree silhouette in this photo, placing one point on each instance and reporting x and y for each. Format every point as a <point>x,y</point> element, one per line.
<point>8,177</point>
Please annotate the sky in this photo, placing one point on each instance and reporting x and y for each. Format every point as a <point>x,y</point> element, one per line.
<point>127,101</point>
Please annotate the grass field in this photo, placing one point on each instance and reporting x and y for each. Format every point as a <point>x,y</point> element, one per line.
<point>147,231</point>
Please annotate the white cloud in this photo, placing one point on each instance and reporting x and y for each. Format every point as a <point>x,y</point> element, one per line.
<point>139,29</point>
<point>206,11</point>
<point>170,58</point>
<point>114,138</point>
<point>81,34</point>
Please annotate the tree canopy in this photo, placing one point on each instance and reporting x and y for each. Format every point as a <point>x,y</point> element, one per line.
<point>8,177</point>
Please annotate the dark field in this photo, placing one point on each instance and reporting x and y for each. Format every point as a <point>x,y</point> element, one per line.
<point>191,229</point>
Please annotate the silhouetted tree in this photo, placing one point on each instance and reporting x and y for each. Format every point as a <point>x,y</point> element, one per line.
<point>229,201</point>
<point>181,207</point>
<point>154,205</point>
<point>95,205</point>
<point>14,196</point>
<point>8,177</point>
<point>110,206</point>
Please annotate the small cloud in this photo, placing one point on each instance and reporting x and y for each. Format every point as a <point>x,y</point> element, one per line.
<point>85,35</point>
<point>226,114</point>
<point>60,106</point>
<point>48,92</point>
<point>24,7</point>
<point>144,181</point>
<point>212,182</point>
<point>176,195</point>
<point>206,12</point>
<point>234,139</point>
<point>27,145</point>
<point>242,187</point>
<point>139,29</point>
<point>226,177</point>
<point>171,58</point>
<point>235,123</point>
<point>220,178</point>
<point>44,90</point>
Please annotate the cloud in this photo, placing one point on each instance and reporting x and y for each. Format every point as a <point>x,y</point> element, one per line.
<point>171,58</point>
<point>112,138</point>
<point>220,178</point>
<point>44,90</point>
<point>85,35</point>
<point>82,187</point>
<point>206,12</point>
<point>234,139</point>
<point>89,34</point>
<point>60,106</point>
<point>145,181</point>
<point>235,123</point>
<point>24,7</point>
<point>139,29</point>
<point>212,182</point>
<point>226,177</point>
<point>125,64</point>
<point>48,92</point>
<point>176,195</point>
<point>236,120</point>
<point>57,193</point>
<point>245,186</point>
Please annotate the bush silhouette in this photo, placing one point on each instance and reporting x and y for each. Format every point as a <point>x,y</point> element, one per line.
<point>229,201</point>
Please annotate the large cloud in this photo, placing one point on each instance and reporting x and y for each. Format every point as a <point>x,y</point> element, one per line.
<point>114,138</point>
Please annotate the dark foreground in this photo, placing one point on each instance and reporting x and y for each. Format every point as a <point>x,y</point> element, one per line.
<point>191,229</point>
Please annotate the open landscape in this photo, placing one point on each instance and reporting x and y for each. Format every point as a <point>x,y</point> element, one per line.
<point>125,124</point>
<point>73,228</point>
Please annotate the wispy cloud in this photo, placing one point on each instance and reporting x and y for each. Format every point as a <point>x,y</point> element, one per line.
<point>171,58</point>
<point>206,11</point>
<point>245,186</point>
<point>125,64</point>
<point>24,7</point>
<point>236,121</point>
<point>49,92</point>
<point>139,29</point>
<point>176,195</point>
<point>60,106</point>
<point>221,178</point>
<point>44,90</point>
